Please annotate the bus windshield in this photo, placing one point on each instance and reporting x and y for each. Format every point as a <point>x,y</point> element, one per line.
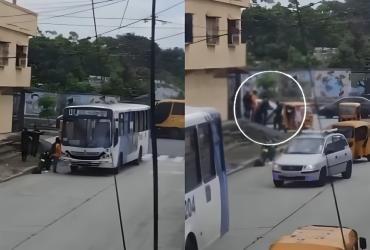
<point>87,133</point>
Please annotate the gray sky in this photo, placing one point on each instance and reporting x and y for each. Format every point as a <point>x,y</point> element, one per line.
<point>136,9</point>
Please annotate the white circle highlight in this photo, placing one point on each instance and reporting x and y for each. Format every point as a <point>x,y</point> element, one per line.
<point>304,101</point>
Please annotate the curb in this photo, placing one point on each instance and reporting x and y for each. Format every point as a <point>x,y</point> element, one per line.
<point>248,163</point>
<point>242,166</point>
<point>24,172</point>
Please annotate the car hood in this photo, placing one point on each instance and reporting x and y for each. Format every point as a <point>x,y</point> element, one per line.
<point>298,159</point>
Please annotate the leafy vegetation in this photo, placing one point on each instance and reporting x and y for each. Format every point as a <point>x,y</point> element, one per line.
<point>274,40</point>
<point>47,104</point>
<point>65,64</point>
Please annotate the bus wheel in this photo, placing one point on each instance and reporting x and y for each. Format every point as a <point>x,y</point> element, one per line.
<point>139,157</point>
<point>115,170</point>
<point>191,243</point>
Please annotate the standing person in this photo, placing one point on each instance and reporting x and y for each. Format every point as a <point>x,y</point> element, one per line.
<point>56,153</point>
<point>254,104</point>
<point>278,118</point>
<point>264,108</point>
<point>247,104</point>
<point>25,142</point>
<point>35,140</point>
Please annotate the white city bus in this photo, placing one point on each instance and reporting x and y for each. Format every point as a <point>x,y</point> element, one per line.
<point>206,195</point>
<point>104,135</point>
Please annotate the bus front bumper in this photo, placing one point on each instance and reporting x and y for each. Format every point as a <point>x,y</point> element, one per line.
<point>68,162</point>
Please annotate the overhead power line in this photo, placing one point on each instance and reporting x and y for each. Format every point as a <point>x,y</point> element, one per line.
<point>137,21</point>
<point>169,36</point>
<point>63,9</point>
<point>124,12</point>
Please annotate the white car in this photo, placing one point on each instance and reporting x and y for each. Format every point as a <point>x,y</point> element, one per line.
<point>313,157</point>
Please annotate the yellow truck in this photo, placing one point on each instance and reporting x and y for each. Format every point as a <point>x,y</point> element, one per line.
<point>320,238</point>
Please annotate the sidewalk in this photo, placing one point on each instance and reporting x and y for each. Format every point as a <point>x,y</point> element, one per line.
<point>11,164</point>
<point>15,167</point>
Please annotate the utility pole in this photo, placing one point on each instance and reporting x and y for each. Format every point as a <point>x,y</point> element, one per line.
<point>153,130</point>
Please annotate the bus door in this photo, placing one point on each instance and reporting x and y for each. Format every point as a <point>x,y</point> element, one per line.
<point>130,134</point>
<point>211,186</point>
<point>219,162</point>
<point>123,134</point>
<point>135,137</point>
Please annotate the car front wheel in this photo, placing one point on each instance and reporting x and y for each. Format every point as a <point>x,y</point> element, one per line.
<point>278,183</point>
<point>322,178</point>
<point>347,174</point>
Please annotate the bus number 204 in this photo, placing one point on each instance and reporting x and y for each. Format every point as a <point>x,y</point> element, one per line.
<point>189,207</point>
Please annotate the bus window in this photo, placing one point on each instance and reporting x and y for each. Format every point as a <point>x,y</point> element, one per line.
<point>192,170</point>
<point>206,153</point>
<point>178,109</point>
<point>141,121</point>
<point>121,125</point>
<point>162,112</point>
<point>145,120</point>
<point>361,133</point>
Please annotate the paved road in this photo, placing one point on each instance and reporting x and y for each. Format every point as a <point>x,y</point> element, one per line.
<point>257,208</point>
<point>172,148</point>
<point>63,211</point>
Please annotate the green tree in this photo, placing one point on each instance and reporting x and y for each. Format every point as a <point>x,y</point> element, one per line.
<point>47,105</point>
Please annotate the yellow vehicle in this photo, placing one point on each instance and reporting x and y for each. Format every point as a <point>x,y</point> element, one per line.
<point>349,111</point>
<point>170,118</point>
<point>320,238</point>
<point>293,113</point>
<point>357,134</point>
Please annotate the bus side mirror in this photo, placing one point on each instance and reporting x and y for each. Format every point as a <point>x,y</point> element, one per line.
<point>363,244</point>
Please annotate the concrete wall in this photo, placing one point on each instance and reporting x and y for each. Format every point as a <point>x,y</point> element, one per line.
<point>202,89</point>
<point>6,111</point>
<point>16,26</point>
<point>17,19</point>
<point>201,56</point>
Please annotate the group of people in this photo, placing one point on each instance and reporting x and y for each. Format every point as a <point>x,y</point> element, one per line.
<point>259,112</point>
<point>30,141</point>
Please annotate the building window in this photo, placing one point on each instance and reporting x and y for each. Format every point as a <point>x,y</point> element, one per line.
<point>188,28</point>
<point>212,30</point>
<point>21,56</point>
<point>233,31</point>
<point>4,53</point>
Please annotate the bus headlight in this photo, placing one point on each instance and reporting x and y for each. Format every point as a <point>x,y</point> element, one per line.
<point>106,156</point>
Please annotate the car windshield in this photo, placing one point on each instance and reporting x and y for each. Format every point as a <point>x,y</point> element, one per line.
<point>345,130</point>
<point>305,146</point>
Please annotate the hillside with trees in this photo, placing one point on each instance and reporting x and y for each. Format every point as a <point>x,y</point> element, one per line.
<point>274,40</point>
<point>63,64</point>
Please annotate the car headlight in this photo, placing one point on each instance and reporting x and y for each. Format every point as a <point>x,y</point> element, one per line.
<point>308,167</point>
<point>275,167</point>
